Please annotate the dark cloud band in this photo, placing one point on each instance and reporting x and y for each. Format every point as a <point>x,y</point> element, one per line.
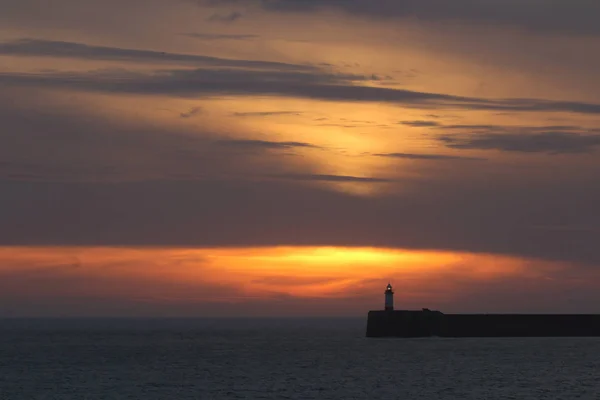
<point>50,48</point>
<point>560,16</point>
<point>313,85</point>
<point>546,142</point>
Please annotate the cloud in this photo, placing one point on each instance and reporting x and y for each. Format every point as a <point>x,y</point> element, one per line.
<point>43,142</point>
<point>475,127</point>
<point>191,112</point>
<point>282,280</point>
<point>546,142</point>
<point>153,282</point>
<point>565,228</point>
<point>246,77</point>
<point>439,213</point>
<point>341,125</point>
<point>435,116</point>
<point>265,113</point>
<point>494,128</point>
<point>330,178</point>
<point>52,48</point>
<point>263,144</point>
<point>562,16</point>
<point>225,18</point>
<point>420,124</point>
<point>220,36</point>
<point>319,85</point>
<point>433,157</point>
<point>106,183</point>
<point>551,139</point>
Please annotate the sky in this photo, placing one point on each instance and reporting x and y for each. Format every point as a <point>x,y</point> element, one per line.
<point>255,158</point>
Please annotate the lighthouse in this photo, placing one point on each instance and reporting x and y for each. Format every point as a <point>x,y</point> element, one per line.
<point>389,298</point>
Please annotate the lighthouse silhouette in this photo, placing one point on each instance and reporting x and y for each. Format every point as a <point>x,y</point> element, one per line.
<point>389,298</point>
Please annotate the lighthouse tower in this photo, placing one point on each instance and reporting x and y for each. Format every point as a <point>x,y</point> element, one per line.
<point>389,298</point>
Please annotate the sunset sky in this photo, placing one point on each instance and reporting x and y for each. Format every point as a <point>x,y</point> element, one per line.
<point>290,157</point>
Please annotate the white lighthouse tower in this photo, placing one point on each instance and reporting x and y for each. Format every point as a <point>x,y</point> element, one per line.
<point>389,298</point>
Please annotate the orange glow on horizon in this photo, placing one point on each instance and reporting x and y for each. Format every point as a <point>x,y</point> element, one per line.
<point>224,274</point>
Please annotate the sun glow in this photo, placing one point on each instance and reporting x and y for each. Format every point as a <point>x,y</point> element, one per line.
<point>200,274</point>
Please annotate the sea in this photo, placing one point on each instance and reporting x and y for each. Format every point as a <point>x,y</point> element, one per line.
<point>181,359</point>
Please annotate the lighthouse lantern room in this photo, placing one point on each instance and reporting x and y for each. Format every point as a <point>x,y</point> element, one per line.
<point>389,298</point>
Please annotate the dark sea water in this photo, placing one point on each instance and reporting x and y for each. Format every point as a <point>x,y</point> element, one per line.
<point>281,359</point>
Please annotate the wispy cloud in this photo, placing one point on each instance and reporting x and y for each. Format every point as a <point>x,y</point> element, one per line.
<point>266,113</point>
<point>191,112</point>
<point>551,139</point>
<point>330,178</point>
<point>474,127</point>
<point>220,36</point>
<point>264,144</point>
<point>53,48</point>
<point>420,123</point>
<point>514,128</point>
<point>278,79</point>
<point>546,142</point>
<point>250,77</point>
<point>225,18</point>
<point>564,228</point>
<point>575,16</point>
<point>433,157</point>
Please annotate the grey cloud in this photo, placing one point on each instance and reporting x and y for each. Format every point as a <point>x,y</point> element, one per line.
<point>226,18</point>
<point>514,128</point>
<point>265,113</point>
<point>255,77</point>
<point>565,228</point>
<point>341,125</point>
<point>552,139</point>
<point>558,128</point>
<point>68,170</point>
<point>469,128</point>
<point>560,16</point>
<point>191,112</point>
<point>51,48</point>
<point>315,85</point>
<point>220,36</point>
<point>108,184</point>
<point>474,127</point>
<point>263,144</point>
<point>419,124</point>
<point>415,156</point>
<point>43,143</point>
<point>439,214</point>
<point>42,271</point>
<point>546,142</point>
<point>330,178</point>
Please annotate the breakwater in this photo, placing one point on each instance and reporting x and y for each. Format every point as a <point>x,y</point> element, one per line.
<point>406,323</point>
